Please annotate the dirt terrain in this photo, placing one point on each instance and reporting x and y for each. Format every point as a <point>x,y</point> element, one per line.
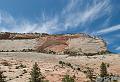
<point>50,67</point>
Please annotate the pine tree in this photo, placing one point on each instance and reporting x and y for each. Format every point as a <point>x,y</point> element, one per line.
<point>67,78</point>
<point>36,75</point>
<point>2,77</point>
<point>103,70</point>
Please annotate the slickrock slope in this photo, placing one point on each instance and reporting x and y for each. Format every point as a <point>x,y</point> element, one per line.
<point>50,67</point>
<point>78,44</point>
<point>87,45</point>
<point>17,45</point>
<point>73,44</point>
<point>17,56</point>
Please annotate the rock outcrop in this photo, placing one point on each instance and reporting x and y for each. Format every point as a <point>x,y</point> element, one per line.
<point>76,44</point>
<point>73,44</point>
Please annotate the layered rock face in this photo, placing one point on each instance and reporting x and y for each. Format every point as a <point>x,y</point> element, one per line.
<point>86,45</point>
<point>17,45</point>
<point>77,44</point>
<point>73,44</point>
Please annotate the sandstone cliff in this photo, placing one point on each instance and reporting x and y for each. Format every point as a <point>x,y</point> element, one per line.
<point>75,44</point>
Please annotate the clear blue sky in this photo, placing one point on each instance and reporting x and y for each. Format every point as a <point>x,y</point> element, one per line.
<point>95,17</point>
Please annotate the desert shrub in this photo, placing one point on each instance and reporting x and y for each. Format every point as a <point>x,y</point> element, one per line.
<point>104,52</point>
<point>68,78</point>
<point>90,74</point>
<point>78,69</point>
<point>68,64</point>
<point>2,77</point>
<point>21,75</point>
<point>27,50</point>
<point>12,50</point>
<point>84,71</point>
<point>20,66</point>
<point>50,52</point>
<point>71,53</point>
<point>62,63</point>
<point>5,63</point>
<point>17,67</point>
<point>7,51</point>
<point>108,65</point>
<point>23,50</point>
<point>17,76</point>
<point>24,71</point>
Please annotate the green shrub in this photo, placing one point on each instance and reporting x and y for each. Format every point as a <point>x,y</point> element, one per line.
<point>20,66</point>
<point>103,70</point>
<point>36,75</point>
<point>67,78</point>
<point>62,63</point>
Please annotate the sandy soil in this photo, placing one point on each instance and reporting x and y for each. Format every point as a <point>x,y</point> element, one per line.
<point>50,67</point>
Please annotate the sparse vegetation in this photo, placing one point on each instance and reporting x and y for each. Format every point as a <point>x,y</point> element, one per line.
<point>62,63</point>
<point>68,78</point>
<point>24,71</point>
<point>5,63</point>
<point>71,52</point>
<point>20,66</point>
<point>90,74</point>
<point>2,77</point>
<point>104,76</point>
<point>50,52</point>
<point>78,69</point>
<point>27,50</point>
<point>68,64</point>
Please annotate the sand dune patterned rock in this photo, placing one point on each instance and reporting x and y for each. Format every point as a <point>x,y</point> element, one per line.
<point>60,44</point>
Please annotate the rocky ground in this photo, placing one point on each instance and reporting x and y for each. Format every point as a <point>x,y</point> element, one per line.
<point>17,65</point>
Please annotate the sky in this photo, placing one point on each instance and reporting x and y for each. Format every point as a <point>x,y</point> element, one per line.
<point>95,17</point>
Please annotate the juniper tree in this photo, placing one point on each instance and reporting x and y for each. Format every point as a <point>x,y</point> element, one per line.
<point>2,77</point>
<point>36,75</point>
<point>62,63</point>
<point>67,78</point>
<point>103,70</point>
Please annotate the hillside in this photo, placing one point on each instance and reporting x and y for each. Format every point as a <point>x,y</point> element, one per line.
<point>80,54</point>
<point>72,44</point>
<point>76,44</point>
<point>52,70</point>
